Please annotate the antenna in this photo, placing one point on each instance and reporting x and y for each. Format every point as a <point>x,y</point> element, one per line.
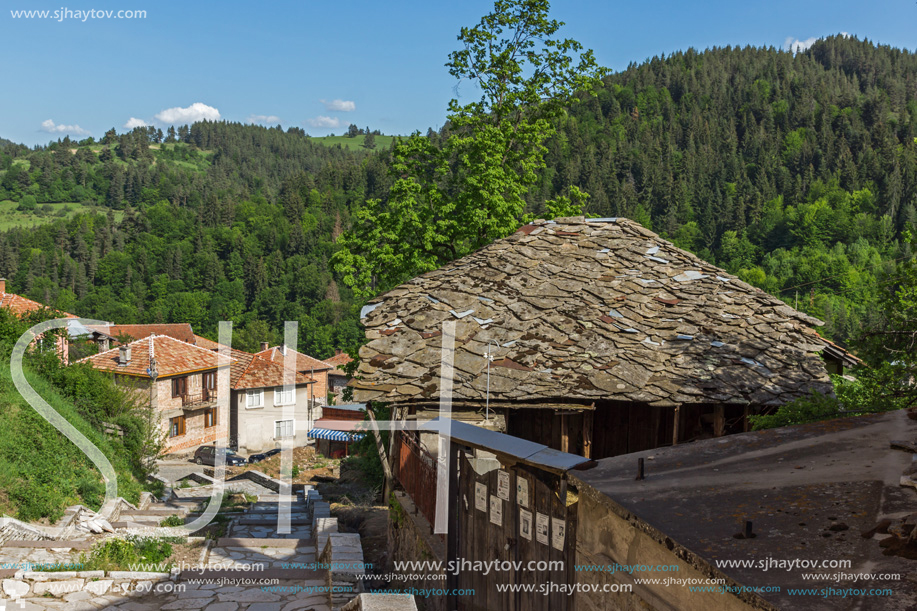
<point>490,357</point>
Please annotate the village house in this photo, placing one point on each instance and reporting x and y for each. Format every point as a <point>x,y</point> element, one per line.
<point>262,411</point>
<point>178,380</point>
<point>595,337</point>
<point>21,306</point>
<point>337,377</point>
<point>313,368</point>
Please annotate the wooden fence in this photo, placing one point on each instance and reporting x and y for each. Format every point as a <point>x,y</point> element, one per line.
<point>415,469</point>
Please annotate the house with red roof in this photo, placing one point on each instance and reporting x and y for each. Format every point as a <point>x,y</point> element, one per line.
<point>179,381</point>
<point>21,306</point>
<point>265,406</point>
<point>337,377</point>
<point>306,365</point>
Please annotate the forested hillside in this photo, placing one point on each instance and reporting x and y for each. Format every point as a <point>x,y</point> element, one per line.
<point>220,222</point>
<point>797,172</point>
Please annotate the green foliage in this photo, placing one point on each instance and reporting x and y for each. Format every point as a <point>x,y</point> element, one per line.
<point>864,394</point>
<point>172,521</point>
<point>813,408</point>
<point>453,197</point>
<point>27,203</point>
<point>117,554</point>
<point>41,471</point>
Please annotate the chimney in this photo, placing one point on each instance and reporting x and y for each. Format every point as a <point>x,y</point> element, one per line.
<point>283,349</point>
<point>124,355</point>
<point>2,285</point>
<point>337,352</point>
<point>263,346</point>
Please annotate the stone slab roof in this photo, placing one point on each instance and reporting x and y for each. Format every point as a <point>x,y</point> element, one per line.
<point>578,310</point>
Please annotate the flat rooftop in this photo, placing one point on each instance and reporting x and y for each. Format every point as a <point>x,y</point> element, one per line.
<point>812,492</point>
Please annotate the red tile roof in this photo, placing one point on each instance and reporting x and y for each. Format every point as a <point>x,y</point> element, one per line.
<point>179,331</point>
<point>338,361</point>
<point>172,356</point>
<point>304,362</point>
<point>19,305</point>
<point>250,372</point>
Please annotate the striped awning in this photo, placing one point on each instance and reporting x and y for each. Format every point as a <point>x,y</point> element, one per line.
<point>334,435</point>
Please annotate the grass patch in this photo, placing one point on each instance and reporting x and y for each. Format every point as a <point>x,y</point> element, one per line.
<point>173,521</point>
<point>356,143</point>
<point>116,554</point>
<point>11,218</point>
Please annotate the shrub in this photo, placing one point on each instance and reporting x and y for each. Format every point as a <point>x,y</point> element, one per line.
<point>173,521</point>
<point>27,203</point>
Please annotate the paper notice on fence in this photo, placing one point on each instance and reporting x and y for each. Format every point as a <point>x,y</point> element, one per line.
<point>557,533</point>
<point>496,510</point>
<point>522,491</point>
<point>541,528</point>
<point>525,524</point>
<point>480,496</point>
<point>503,485</point>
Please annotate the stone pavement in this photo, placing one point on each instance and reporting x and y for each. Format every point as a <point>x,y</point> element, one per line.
<point>253,542</point>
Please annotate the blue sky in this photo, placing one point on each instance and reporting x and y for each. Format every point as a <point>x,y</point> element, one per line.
<point>323,65</point>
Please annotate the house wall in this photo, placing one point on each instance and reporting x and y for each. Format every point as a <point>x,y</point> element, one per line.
<point>256,426</point>
<point>607,534</point>
<point>320,388</point>
<point>196,434</point>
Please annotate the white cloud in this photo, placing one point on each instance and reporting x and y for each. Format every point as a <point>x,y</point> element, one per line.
<point>53,128</point>
<point>339,105</point>
<point>795,45</point>
<point>326,122</point>
<point>135,122</point>
<point>196,112</point>
<point>263,119</point>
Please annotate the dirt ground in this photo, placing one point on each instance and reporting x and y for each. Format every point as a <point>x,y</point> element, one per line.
<point>309,463</point>
<point>358,508</point>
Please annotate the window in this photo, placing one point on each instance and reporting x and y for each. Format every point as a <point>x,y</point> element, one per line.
<point>283,428</point>
<point>209,385</point>
<point>284,395</point>
<point>176,426</point>
<point>210,418</point>
<point>179,387</point>
<point>254,397</point>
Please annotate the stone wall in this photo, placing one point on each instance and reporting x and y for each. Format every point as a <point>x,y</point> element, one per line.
<point>82,586</point>
<point>411,539</point>
<point>607,534</point>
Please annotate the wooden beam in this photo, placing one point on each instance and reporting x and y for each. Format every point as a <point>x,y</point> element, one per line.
<point>719,420</point>
<point>564,433</point>
<point>588,418</point>
<point>676,431</point>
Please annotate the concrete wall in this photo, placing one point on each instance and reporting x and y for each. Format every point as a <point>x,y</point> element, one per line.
<point>256,428</point>
<point>608,534</point>
<point>411,538</point>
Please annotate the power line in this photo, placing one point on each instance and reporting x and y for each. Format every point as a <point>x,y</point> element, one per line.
<point>790,288</point>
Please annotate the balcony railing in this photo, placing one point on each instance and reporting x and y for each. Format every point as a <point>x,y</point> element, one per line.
<point>200,399</point>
